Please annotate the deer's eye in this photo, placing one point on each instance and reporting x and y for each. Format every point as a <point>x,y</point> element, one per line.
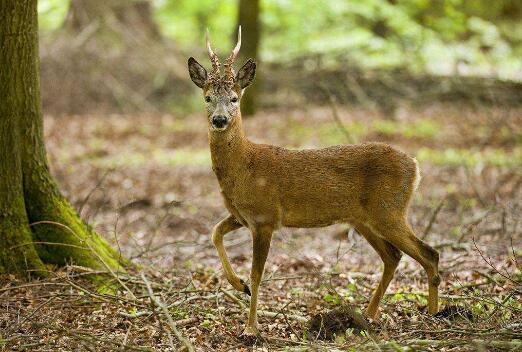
<point>207,99</point>
<point>234,100</point>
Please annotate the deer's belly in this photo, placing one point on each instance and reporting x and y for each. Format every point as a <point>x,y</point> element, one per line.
<point>310,217</point>
<point>319,210</point>
<point>266,205</point>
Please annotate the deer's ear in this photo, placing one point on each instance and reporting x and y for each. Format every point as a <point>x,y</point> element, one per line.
<point>198,74</point>
<point>246,74</point>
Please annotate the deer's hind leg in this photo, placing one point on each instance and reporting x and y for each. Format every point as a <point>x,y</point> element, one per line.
<point>399,233</point>
<point>390,256</point>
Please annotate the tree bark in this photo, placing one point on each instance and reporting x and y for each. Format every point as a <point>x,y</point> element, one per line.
<point>37,225</point>
<point>248,18</point>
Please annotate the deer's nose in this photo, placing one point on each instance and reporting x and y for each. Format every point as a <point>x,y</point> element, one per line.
<point>219,121</point>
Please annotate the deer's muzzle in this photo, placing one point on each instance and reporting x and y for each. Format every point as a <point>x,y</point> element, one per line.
<point>219,121</point>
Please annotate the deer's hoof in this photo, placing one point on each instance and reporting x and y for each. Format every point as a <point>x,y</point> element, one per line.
<point>246,289</point>
<point>250,336</point>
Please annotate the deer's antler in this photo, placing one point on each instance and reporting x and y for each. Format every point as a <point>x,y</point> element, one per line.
<point>229,71</point>
<point>213,59</point>
<point>232,58</point>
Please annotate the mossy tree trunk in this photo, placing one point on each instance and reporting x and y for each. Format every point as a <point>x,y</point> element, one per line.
<point>248,18</point>
<point>37,225</point>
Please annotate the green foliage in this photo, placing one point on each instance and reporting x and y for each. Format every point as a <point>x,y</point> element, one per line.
<point>421,128</point>
<point>186,21</point>
<point>471,158</point>
<point>333,299</point>
<point>296,291</point>
<point>51,13</point>
<point>330,133</point>
<point>409,296</point>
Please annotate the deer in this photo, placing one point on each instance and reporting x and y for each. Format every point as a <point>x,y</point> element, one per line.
<point>265,187</point>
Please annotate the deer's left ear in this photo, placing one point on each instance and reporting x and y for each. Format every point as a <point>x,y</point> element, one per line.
<point>246,74</point>
<point>198,74</point>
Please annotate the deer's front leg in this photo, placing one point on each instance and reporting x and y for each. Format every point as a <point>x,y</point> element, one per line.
<point>220,230</point>
<point>261,238</point>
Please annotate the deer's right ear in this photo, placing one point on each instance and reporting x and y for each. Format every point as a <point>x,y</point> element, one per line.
<point>246,74</point>
<point>198,74</point>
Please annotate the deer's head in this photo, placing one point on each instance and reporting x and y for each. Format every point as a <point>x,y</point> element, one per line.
<point>222,91</point>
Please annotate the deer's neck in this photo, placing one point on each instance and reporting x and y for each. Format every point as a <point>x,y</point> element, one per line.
<point>228,150</point>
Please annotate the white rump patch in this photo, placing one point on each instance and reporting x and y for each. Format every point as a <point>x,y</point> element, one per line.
<point>418,177</point>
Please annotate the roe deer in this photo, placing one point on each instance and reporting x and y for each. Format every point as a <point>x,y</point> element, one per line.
<point>266,187</point>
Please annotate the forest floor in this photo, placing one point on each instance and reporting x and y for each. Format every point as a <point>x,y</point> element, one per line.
<point>145,183</point>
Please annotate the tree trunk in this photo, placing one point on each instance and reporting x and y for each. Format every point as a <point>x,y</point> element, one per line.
<point>248,18</point>
<point>37,225</point>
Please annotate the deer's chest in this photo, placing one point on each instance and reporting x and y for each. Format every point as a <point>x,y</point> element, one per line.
<point>250,199</point>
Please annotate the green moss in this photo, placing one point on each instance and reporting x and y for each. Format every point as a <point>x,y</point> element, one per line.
<point>17,253</point>
<point>67,238</point>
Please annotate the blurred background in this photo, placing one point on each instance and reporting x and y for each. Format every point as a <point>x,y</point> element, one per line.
<point>129,56</point>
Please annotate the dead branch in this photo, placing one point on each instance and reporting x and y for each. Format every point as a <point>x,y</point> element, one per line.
<point>166,312</point>
<point>433,217</point>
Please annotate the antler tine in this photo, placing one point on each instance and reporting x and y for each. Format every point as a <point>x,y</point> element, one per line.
<point>237,47</point>
<point>234,53</point>
<point>211,54</point>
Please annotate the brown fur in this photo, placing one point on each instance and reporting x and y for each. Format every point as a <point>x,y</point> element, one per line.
<point>266,187</point>
<point>311,188</point>
<point>368,185</point>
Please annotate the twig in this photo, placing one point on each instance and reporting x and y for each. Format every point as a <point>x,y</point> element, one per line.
<point>30,315</point>
<point>166,312</point>
<point>175,304</point>
<point>4,289</point>
<point>98,184</point>
<point>446,342</point>
<point>234,299</point>
<point>286,318</point>
<point>505,276</point>
<point>96,341</point>
<point>335,114</point>
<point>87,292</point>
<point>187,321</point>
<point>468,226</point>
<point>286,342</point>
<point>433,217</point>
<point>264,313</point>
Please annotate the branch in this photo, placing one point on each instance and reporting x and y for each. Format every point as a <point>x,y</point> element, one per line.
<point>433,218</point>
<point>166,312</point>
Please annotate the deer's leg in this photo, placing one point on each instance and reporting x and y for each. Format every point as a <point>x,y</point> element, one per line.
<point>220,230</point>
<point>400,234</point>
<point>261,238</point>
<point>390,256</point>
